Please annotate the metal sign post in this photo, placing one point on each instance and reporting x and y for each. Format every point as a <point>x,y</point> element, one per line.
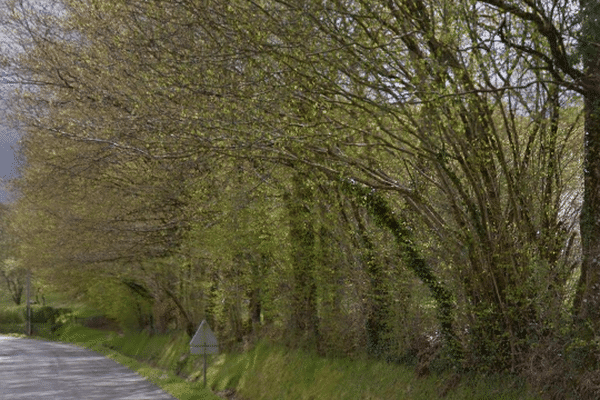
<point>204,342</point>
<point>28,302</point>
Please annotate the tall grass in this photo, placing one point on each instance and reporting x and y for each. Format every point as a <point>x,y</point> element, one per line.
<point>268,371</point>
<point>272,372</point>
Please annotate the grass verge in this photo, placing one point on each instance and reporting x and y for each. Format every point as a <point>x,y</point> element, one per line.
<point>272,372</point>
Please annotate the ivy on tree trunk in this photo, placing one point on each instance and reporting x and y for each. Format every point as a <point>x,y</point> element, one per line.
<point>379,208</point>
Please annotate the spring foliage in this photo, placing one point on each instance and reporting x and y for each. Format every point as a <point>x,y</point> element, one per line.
<point>388,177</point>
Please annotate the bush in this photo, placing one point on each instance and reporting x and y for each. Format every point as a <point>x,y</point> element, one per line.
<point>47,318</point>
<point>11,316</point>
<point>12,328</point>
<point>42,315</point>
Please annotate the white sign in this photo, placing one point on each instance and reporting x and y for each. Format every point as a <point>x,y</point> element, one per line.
<point>204,341</point>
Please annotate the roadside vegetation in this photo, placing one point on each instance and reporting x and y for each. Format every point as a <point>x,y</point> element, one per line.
<point>408,183</point>
<point>262,371</point>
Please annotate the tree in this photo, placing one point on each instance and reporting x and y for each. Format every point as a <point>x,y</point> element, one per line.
<point>14,277</point>
<point>303,256</point>
<point>13,274</point>
<point>446,121</point>
<point>397,104</point>
<point>100,202</point>
<point>588,301</point>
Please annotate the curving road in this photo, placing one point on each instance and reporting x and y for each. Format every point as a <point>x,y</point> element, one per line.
<point>37,369</point>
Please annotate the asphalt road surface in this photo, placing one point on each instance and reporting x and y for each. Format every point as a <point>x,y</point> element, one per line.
<point>43,370</point>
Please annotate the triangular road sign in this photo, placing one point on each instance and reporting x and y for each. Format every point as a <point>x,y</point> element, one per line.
<point>204,341</point>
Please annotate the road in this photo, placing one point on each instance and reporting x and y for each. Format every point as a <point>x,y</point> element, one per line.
<point>44,370</point>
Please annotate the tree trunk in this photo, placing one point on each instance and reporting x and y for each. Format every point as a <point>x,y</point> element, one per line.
<point>385,217</point>
<point>255,304</point>
<point>211,309</point>
<point>302,237</point>
<point>377,324</point>
<point>587,301</point>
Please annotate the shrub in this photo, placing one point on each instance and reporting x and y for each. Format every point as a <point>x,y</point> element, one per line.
<point>11,316</point>
<point>48,318</point>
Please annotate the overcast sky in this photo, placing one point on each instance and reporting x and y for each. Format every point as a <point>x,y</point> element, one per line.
<point>8,138</point>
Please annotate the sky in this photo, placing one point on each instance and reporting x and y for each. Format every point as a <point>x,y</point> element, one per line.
<point>8,139</point>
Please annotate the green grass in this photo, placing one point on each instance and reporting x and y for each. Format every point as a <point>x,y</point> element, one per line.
<point>273,372</point>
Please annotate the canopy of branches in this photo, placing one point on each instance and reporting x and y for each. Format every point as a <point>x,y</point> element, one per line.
<point>408,169</point>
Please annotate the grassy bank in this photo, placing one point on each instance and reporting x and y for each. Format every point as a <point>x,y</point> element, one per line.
<point>302,375</point>
<point>267,371</point>
<point>272,372</point>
